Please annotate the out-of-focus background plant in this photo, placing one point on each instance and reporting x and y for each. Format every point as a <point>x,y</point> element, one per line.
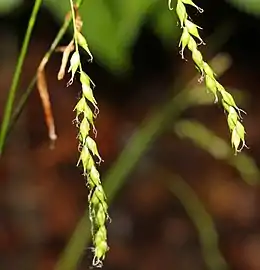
<point>179,198</point>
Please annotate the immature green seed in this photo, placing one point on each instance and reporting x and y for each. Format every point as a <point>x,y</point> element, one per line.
<point>84,157</point>
<point>208,70</point>
<point>101,216</point>
<point>101,234</point>
<point>198,59</point>
<point>83,43</point>
<point>90,163</point>
<point>232,118</point>
<point>93,147</point>
<point>94,175</point>
<point>211,85</point>
<point>193,29</point>
<point>192,45</point>
<point>185,38</point>
<point>241,131</point>
<point>181,12</point>
<point>89,114</point>
<point>80,106</point>
<point>228,98</point>
<point>101,250</point>
<point>74,64</point>
<point>99,195</point>
<point>94,199</point>
<point>235,139</point>
<point>225,105</point>
<point>84,78</point>
<point>84,129</point>
<point>88,94</point>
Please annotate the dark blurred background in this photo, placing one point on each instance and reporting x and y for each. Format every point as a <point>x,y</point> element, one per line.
<point>182,204</point>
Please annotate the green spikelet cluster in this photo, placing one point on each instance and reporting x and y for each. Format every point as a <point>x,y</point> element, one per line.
<point>191,39</point>
<point>88,151</point>
<point>89,154</point>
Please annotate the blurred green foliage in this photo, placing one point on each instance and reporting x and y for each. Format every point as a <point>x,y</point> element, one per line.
<point>112,26</point>
<point>7,6</point>
<point>249,6</point>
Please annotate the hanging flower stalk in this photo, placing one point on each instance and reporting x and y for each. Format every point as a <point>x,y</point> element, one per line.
<point>89,154</point>
<point>190,38</point>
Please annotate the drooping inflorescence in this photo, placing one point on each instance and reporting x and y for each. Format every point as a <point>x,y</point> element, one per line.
<point>89,155</point>
<point>191,39</point>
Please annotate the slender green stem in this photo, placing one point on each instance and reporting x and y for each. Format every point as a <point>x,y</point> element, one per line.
<point>19,107</point>
<point>218,148</point>
<point>21,103</point>
<point>149,130</point>
<point>17,74</point>
<point>202,220</point>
